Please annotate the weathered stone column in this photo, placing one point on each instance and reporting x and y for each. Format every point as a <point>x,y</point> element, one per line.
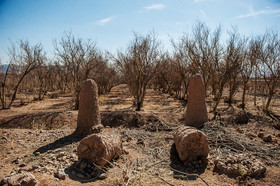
<point>196,114</point>
<point>191,144</point>
<point>101,148</point>
<point>88,116</point>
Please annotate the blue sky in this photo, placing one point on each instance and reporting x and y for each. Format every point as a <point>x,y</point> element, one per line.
<point>111,22</point>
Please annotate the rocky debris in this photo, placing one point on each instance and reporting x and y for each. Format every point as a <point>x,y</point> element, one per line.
<point>84,170</point>
<point>88,115</point>
<point>196,165</point>
<point>191,144</point>
<point>60,174</point>
<point>241,118</point>
<point>16,179</point>
<point>50,162</point>
<point>261,135</point>
<point>196,114</point>
<point>267,138</point>
<point>240,165</point>
<point>276,125</point>
<point>100,148</point>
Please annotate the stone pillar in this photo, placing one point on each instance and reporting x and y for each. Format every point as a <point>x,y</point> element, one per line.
<point>196,114</point>
<point>191,144</point>
<point>88,116</point>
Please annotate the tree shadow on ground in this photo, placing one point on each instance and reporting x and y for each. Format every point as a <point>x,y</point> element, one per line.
<point>181,171</point>
<point>61,142</point>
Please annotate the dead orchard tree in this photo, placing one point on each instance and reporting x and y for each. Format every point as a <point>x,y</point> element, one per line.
<point>138,64</point>
<point>270,64</point>
<point>234,56</point>
<point>79,57</point>
<point>248,64</point>
<point>23,59</point>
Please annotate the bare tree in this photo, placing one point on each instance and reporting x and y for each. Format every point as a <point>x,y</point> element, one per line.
<point>270,64</point>
<point>234,56</point>
<point>79,57</point>
<point>23,59</point>
<point>248,65</point>
<point>4,74</point>
<point>138,64</point>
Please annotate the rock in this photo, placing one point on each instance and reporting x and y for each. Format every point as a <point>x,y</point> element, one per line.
<point>140,141</point>
<point>196,114</point>
<point>102,176</point>
<point>100,148</point>
<point>241,118</point>
<point>267,138</point>
<point>4,138</point>
<point>22,165</point>
<point>276,125</point>
<point>239,165</point>
<point>88,115</point>
<point>37,153</point>
<point>60,174</point>
<point>251,135</point>
<point>22,179</point>
<point>80,175</point>
<point>191,144</point>
<point>261,135</point>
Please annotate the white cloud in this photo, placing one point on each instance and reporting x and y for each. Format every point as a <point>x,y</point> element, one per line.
<point>105,20</point>
<point>256,13</point>
<point>155,7</point>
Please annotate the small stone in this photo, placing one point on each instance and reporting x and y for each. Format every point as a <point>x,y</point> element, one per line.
<point>4,138</point>
<point>80,175</point>
<point>261,135</point>
<point>102,176</point>
<point>94,173</point>
<point>60,174</point>
<point>22,165</point>
<point>37,153</point>
<point>267,138</point>
<point>35,167</point>
<point>87,175</point>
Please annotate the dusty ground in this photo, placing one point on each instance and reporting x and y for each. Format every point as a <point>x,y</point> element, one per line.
<point>37,137</point>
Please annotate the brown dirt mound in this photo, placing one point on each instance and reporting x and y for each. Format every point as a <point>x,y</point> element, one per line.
<point>132,119</point>
<point>42,120</point>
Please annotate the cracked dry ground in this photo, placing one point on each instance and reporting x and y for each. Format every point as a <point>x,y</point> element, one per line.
<point>37,138</point>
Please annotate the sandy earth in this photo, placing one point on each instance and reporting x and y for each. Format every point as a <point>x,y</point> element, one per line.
<point>37,138</point>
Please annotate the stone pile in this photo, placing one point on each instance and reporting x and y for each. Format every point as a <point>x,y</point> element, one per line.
<point>19,178</point>
<point>240,165</point>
